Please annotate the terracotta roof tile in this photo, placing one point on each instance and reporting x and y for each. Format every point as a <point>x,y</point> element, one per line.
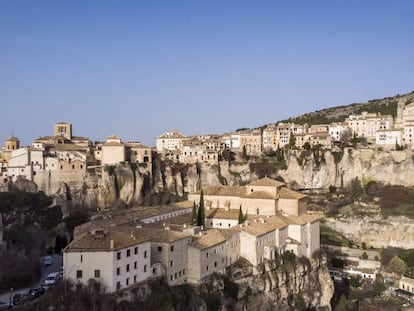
<point>286,193</point>
<point>95,243</point>
<point>208,238</point>
<point>236,191</point>
<point>266,181</point>
<point>222,213</point>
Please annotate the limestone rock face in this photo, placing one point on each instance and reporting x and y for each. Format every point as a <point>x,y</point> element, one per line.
<point>21,184</point>
<point>277,287</point>
<point>393,167</point>
<point>377,232</point>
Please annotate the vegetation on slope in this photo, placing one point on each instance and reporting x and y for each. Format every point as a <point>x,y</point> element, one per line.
<point>387,105</point>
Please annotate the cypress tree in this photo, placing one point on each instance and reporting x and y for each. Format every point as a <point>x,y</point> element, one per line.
<point>201,217</point>
<point>194,214</point>
<point>241,217</point>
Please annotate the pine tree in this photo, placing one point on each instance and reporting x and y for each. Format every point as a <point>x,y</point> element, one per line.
<point>241,217</point>
<point>201,216</point>
<point>194,214</point>
<point>292,140</point>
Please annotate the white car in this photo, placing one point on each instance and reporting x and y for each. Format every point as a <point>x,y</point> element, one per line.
<point>52,278</point>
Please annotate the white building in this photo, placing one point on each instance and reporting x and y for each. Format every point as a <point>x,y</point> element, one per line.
<point>114,258</point>
<point>170,141</point>
<point>206,255</point>
<point>389,138</point>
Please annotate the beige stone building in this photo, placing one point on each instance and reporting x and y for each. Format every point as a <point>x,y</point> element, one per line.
<point>62,134</point>
<point>251,141</point>
<point>270,141</point>
<point>406,284</point>
<point>261,197</point>
<point>113,151</point>
<point>367,124</point>
<point>206,255</point>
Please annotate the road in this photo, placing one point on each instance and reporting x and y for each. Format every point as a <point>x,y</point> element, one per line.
<point>56,266</point>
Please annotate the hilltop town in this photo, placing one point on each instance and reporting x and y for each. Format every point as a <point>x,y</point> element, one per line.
<point>213,226</point>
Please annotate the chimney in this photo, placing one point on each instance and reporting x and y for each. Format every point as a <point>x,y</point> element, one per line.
<point>111,243</point>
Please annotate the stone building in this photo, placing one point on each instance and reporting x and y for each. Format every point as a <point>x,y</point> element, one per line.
<point>170,141</point>
<point>114,258</point>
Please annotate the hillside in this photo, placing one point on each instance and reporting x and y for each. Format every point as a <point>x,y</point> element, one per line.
<point>386,105</point>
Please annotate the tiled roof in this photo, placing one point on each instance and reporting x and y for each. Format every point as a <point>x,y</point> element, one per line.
<point>266,181</point>
<point>236,191</point>
<point>299,220</point>
<point>260,227</point>
<point>221,213</point>
<point>208,239</point>
<point>154,234</point>
<point>95,243</point>
<point>286,193</point>
<point>131,215</point>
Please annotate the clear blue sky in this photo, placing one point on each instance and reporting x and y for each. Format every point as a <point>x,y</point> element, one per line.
<point>140,68</point>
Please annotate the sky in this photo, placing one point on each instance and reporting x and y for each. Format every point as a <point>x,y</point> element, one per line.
<point>141,68</point>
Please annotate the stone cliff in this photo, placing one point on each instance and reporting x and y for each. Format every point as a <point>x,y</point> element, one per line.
<point>304,170</point>
<point>127,185</point>
<point>376,232</point>
<point>300,285</point>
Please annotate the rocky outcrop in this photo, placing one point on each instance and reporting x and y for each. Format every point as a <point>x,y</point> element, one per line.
<point>290,286</point>
<point>376,232</point>
<point>339,168</point>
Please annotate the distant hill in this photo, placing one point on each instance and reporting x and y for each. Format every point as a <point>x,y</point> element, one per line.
<point>386,105</point>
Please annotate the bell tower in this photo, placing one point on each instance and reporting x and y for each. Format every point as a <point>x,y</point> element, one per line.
<point>12,143</point>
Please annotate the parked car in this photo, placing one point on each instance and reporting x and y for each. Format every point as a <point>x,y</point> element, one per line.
<point>47,260</point>
<point>36,292</point>
<point>21,298</point>
<point>5,305</point>
<point>52,278</point>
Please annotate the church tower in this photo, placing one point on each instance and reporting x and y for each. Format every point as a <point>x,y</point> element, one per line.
<point>12,143</point>
<point>63,129</point>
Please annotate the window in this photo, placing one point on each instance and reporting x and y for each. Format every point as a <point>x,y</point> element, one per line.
<point>145,254</point>
<point>135,264</point>
<point>215,264</point>
<point>172,248</point>
<point>154,271</point>
<point>135,278</point>
<point>136,250</point>
<point>78,274</point>
<point>127,281</point>
<point>145,268</point>
<point>128,252</point>
<point>207,255</point>
<point>118,271</point>
<point>171,277</point>
<point>175,275</point>
<point>81,258</point>
<point>97,273</point>
<point>118,285</point>
<point>171,263</point>
<point>118,255</point>
<point>207,268</point>
<point>183,271</point>
<point>127,268</point>
<point>160,248</point>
